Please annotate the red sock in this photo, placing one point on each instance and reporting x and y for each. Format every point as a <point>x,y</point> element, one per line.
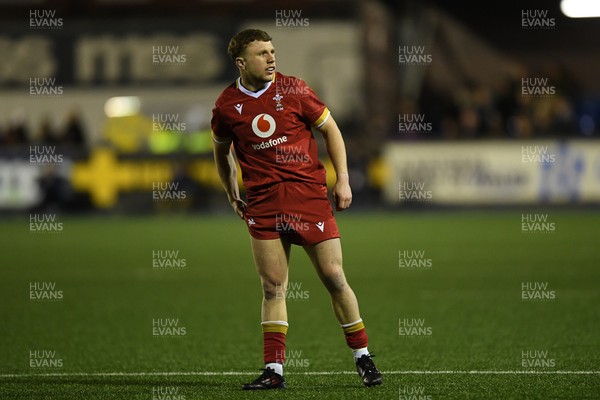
<point>356,335</point>
<point>274,341</point>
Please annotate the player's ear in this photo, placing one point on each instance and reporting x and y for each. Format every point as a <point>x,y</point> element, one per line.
<point>240,63</point>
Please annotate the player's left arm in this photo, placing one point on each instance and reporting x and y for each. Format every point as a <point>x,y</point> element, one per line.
<point>342,194</point>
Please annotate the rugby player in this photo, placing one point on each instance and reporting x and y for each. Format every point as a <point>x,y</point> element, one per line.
<point>268,116</point>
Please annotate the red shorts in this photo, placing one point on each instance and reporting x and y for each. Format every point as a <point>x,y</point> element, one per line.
<point>297,211</point>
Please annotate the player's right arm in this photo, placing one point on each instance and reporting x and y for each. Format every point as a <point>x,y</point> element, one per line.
<point>227,168</point>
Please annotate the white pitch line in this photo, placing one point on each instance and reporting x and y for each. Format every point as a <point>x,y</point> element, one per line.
<point>241,373</point>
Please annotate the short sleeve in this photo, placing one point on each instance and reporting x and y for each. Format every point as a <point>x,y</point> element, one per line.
<point>313,108</point>
<point>219,130</point>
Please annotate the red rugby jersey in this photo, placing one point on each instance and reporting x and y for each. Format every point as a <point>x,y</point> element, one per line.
<point>271,130</point>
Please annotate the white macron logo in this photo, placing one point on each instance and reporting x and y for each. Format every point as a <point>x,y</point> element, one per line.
<point>238,107</point>
<point>251,222</point>
<point>320,225</point>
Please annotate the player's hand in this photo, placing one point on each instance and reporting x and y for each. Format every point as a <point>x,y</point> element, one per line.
<point>342,194</point>
<point>239,206</point>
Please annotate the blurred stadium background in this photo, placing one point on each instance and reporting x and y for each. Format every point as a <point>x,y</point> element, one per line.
<point>102,100</point>
<point>488,110</point>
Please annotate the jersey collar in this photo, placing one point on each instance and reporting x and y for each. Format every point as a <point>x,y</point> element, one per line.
<point>238,84</point>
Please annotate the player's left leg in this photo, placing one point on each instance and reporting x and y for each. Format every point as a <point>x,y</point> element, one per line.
<point>326,257</point>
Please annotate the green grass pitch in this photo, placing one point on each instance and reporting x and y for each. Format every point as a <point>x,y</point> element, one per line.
<point>476,329</point>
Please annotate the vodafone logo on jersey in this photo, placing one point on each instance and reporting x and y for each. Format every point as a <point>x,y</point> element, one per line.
<point>263,125</point>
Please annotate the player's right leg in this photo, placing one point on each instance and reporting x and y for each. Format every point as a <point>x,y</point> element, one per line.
<point>271,259</point>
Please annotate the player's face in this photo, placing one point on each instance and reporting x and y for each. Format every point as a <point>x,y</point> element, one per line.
<point>258,61</point>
